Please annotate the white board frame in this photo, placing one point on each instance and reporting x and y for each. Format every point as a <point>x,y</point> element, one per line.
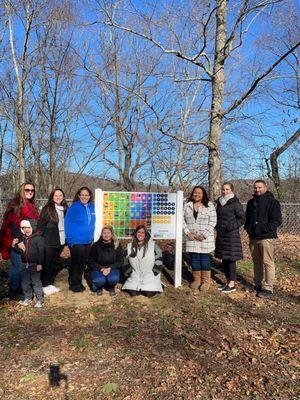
<point>178,232</point>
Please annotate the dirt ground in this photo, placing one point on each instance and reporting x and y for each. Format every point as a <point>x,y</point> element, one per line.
<point>177,345</point>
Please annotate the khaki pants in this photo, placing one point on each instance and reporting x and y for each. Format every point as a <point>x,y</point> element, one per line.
<point>262,252</point>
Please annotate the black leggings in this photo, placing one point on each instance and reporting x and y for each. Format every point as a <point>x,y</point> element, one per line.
<point>146,293</point>
<point>52,265</point>
<point>229,269</point>
<point>79,256</point>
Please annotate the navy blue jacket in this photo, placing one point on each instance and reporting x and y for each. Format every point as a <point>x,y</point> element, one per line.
<point>80,223</point>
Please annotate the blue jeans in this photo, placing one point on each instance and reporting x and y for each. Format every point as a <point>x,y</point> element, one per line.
<point>200,262</point>
<point>14,274</point>
<point>109,281</point>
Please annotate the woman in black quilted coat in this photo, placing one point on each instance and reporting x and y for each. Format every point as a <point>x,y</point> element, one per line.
<point>230,217</point>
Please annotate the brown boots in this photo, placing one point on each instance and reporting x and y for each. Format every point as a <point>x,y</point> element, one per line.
<point>197,280</point>
<point>201,280</point>
<point>205,278</point>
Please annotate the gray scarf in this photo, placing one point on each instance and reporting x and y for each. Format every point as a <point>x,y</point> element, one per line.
<point>223,199</point>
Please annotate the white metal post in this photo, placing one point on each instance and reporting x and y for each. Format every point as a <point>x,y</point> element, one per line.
<point>178,241</point>
<point>99,213</point>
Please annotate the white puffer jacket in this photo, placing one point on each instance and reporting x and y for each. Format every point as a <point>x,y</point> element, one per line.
<point>142,276</point>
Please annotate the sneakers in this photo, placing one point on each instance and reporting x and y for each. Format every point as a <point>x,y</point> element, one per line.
<point>265,294</point>
<point>99,292</point>
<point>39,304</point>
<point>25,302</point>
<point>112,292</point>
<point>228,289</point>
<point>257,288</point>
<point>222,287</point>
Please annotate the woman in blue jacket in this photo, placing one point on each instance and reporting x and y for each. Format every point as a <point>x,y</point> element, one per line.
<point>79,227</point>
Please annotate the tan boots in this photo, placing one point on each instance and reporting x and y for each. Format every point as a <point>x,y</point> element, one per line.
<point>201,280</point>
<point>205,279</point>
<point>197,280</point>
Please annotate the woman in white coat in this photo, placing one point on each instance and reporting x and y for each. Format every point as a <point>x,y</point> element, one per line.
<point>199,221</point>
<point>145,265</point>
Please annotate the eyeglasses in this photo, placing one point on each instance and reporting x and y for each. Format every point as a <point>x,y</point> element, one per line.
<point>29,190</point>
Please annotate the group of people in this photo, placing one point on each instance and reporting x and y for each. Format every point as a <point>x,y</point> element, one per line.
<point>261,220</point>
<point>34,241</point>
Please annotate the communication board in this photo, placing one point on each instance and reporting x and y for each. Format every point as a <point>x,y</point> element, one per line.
<point>126,210</point>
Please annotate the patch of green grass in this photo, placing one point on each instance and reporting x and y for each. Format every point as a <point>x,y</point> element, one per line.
<point>109,388</point>
<point>27,378</point>
<point>35,346</point>
<point>245,266</point>
<point>82,342</point>
<point>131,333</point>
<point>296,264</point>
<point>108,320</point>
<point>164,325</point>
<point>96,309</point>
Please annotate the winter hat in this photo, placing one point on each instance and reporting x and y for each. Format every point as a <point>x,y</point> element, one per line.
<point>25,224</point>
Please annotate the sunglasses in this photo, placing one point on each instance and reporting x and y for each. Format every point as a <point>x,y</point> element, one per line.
<point>29,190</point>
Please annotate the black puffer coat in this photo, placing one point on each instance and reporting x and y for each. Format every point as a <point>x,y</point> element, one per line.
<point>230,218</point>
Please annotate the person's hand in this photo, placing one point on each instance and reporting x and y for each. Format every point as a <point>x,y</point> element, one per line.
<point>105,271</point>
<point>21,246</point>
<point>38,268</point>
<point>201,237</point>
<point>191,236</point>
<point>15,241</point>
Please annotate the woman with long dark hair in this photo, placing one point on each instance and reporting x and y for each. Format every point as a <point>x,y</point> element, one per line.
<point>52,227</point>
<point>199,221</point>
<point>80,227</point>
<point>231,217</point>
<point>21,207</point>
<point>145,265</point>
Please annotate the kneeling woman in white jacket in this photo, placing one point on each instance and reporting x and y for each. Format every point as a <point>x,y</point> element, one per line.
<point>145,265</point>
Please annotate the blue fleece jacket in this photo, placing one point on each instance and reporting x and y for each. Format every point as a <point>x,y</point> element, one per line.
<point>80,223</point>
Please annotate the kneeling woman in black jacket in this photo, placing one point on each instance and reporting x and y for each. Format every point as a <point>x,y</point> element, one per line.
<point>104,263</point>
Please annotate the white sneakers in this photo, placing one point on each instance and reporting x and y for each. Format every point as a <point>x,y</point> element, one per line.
<point>27,302</point>
<point>39,304</point>
<point>50,289</point>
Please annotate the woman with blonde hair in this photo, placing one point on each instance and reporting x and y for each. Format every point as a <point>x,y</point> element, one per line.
<point>231,218</point>
<point>104,263</point>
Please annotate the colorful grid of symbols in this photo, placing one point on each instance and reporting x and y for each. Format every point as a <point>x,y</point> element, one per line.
<point>125,211</point>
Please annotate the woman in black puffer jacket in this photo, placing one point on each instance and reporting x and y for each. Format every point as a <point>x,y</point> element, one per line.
<point>230,217</point>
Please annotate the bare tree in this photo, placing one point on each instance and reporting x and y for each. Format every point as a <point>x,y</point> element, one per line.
<point>210,59</point>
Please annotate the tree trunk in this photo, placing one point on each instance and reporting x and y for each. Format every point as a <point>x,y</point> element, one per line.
<point>218,81</point>
<point>274,172</point>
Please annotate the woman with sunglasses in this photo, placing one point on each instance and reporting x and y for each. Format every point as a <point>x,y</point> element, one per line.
<point>21,207</point>
<point>79,227</point>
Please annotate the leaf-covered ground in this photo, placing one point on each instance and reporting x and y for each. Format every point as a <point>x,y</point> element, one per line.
<point>179,345</point>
